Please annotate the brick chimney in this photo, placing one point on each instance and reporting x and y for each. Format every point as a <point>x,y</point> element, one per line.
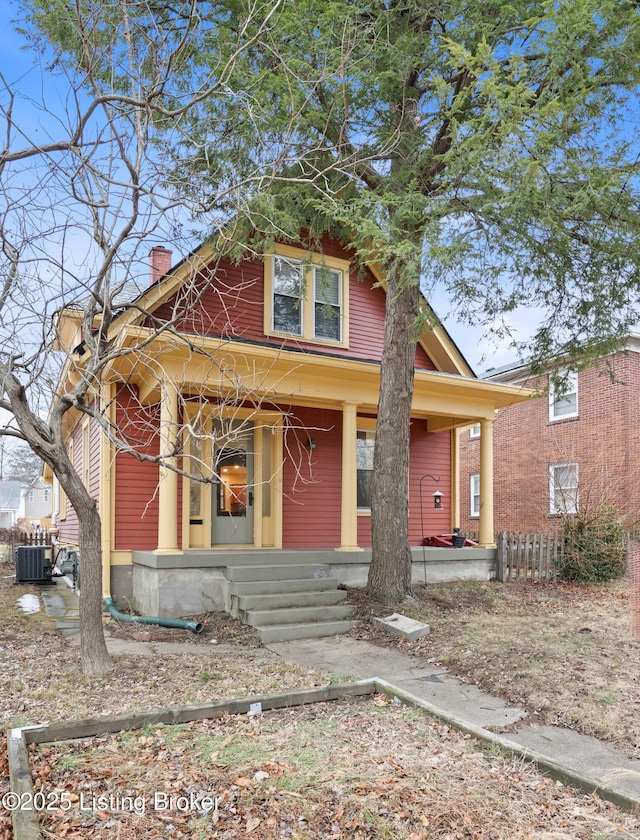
<point>159,262</point>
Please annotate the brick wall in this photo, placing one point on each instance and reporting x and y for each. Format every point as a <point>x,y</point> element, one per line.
<point>604,440</point>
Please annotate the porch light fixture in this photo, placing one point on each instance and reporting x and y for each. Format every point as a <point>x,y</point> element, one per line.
<point>437,505</point>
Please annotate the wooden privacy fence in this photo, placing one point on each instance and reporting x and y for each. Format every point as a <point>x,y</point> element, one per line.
<point>14,536</point>
<point>528,556</point>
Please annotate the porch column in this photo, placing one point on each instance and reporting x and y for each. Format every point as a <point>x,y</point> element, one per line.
<point>107,406</point>
<point>349,506</point>
<point>168,478</point>
<point>486,484</point>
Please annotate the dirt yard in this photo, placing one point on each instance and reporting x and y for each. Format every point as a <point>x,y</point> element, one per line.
<point>361,769</point>
<point>564,652</point>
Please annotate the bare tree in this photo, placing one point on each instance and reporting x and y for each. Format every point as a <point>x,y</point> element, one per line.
<point>84,193</point>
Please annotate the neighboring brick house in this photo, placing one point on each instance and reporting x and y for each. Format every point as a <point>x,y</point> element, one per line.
<point>561,452</point>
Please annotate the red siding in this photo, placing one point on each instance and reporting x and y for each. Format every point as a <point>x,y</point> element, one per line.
<point>423,362</point>
<point>232,305</point>
<point>430,456</point>
<point>312,480</point>
<point>68,527</point>
<point>94,464</point>
<point>136,482</point>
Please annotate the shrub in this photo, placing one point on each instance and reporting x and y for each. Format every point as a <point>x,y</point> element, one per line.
<point>595,548</point>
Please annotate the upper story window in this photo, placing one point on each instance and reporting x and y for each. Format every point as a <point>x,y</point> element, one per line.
<point>45,494</point>
<point>306,295</point>
<point>288,303</point>
<point>474,431</point>
<point>563,398</point>
<point>32,496</point>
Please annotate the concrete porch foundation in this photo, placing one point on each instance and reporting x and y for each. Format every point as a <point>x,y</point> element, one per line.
<point>196,582</point>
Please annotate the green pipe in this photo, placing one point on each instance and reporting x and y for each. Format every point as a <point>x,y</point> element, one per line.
<point>180,623</point>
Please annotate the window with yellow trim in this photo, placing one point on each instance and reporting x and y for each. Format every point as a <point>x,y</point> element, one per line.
<point>306,295</point>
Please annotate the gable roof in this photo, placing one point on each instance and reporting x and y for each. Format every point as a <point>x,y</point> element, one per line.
<point>435,341</point>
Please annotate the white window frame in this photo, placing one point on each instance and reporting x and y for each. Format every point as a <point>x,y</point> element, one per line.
<point>558,399</point>
<point>560,496</point>
<point>317,301</point>
<point>300,297</point>
<point>31,497</point>
<point>474,495</point>
<point>310,265</point>
<point>370,432</point>
<point>474,431</point>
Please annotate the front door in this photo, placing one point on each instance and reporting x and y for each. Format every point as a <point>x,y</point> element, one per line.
<point>232,501</point>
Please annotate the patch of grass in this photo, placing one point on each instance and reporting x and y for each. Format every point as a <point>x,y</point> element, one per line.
<point>333,769</point>
<point>207,676</point>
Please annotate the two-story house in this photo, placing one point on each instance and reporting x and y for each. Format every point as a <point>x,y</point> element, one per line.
<point>572,448</point>
<point>266,386</point>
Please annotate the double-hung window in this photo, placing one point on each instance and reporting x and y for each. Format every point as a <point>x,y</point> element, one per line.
<point>474,495</point>
<point>563,488</point>
<point>563,397</point>
<point>288,303</point>
<point>306,295</point>
<point>327,311</point>
<point>365,444</point>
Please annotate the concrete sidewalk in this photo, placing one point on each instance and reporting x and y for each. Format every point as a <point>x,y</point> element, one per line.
<point>574,758</point>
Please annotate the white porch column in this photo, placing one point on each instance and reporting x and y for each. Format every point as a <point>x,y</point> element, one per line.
<point>168,478</point>
<point>349,506</point>
<point>486,484</point>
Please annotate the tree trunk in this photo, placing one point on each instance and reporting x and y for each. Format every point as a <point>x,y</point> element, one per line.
<point>94,656</point>
<point>390,572</point>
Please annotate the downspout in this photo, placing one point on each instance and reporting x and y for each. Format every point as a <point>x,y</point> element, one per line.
<point>160,621</point>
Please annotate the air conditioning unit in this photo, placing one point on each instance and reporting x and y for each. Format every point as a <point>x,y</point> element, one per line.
<point>33,564</point>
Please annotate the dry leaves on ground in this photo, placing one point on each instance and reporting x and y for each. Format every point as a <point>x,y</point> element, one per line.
<point>562,651</point>
<point>349,769</point>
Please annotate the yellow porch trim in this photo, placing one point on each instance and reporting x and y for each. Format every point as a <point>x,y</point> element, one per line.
<point>348,508</point>
<point>106,500</point>
<point>486,484</point>
<point>168,477</point>
<point>267,530</point>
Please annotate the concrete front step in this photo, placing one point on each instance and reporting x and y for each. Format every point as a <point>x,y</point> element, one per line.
<point>266,587</point>
<point>296,598</point>
<point>277,572</point>
<point>289,632</point>
<point>296,615</point>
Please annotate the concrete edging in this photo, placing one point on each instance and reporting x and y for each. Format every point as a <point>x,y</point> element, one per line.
<point>25,819</point>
